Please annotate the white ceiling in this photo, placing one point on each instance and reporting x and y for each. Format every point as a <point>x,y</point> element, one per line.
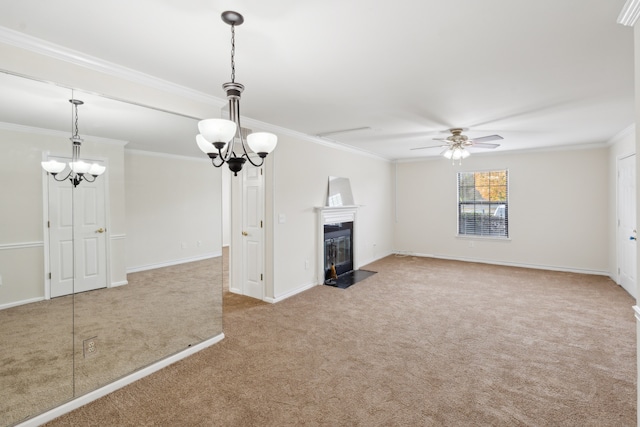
<point>541,73</point>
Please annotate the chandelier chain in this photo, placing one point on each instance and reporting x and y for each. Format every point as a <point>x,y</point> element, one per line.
<point>233,54</point>
<point>76,114</point>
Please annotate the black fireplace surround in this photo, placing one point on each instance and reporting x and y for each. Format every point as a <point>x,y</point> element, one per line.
<point>338,244</point>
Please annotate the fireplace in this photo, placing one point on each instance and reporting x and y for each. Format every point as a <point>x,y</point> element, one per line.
<point>337,243</point>
<point>337,233</point>
<point>338,252</point>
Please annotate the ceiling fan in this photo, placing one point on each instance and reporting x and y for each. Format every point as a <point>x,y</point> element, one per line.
<point>456,145</point>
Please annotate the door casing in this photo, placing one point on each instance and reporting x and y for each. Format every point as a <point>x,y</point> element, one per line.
<point>99,241</point>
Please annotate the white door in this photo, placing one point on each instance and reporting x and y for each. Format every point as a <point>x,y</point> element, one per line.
<point>77,237</point>
<point>252,232</point>
<point>60,237</point>
<point>627,224</point>
<point>90,236</point>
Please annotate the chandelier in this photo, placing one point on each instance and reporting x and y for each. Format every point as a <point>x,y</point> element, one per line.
<point>217,136</point>
<point>78,170</point>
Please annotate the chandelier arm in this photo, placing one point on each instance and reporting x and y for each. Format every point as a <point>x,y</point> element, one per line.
<point>61,179</point>
<point>236,118</point>
<point>228,152</point>
<point>213,162</point>
<point>251,161</point>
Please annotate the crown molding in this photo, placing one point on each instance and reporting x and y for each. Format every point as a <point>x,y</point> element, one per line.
<point>629,130</point>
<point>630,13</point>
<point>52,50</point>
<point>58,133</point>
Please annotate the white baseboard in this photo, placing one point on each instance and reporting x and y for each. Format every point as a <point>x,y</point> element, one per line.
<point>374,259</point>
<point>509,264</point>
<point>21,302</point>
<point>289,294</point>
<point>173,262</point>
<point>109,388</point>
<point>120,283</point>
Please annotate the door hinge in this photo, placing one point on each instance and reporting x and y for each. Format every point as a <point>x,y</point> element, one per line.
<point>48,224</point>
<point>260,223</point>
<point>260,171</point>
<point>261,278</point>
<point>49,276</point>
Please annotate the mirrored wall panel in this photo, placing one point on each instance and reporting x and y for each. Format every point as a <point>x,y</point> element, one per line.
<point>104,276</point>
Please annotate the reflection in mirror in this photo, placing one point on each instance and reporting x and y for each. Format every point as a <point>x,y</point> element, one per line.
<point>146,249</point>
<point>36,333</point>
<point>339,192</point>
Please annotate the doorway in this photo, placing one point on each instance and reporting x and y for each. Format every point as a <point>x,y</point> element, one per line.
<point>246,272</point>
<point>626,231</point>
<point>77,231</point>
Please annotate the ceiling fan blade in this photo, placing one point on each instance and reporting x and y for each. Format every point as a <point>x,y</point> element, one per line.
<point>430,146</point>
<point>484,145</point>
<point>487,138</point>
<point>440,139</point>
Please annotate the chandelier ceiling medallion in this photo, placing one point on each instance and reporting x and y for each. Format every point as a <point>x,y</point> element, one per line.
<point>78,170</point>
<point>217,136</point>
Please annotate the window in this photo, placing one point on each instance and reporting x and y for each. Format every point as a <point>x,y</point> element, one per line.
<point>483,203</point>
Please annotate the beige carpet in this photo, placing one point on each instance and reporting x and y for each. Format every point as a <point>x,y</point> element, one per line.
<point>423,342</point>
<point>160,312</point>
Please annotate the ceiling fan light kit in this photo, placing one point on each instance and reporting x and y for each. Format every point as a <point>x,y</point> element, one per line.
<point>455,153</point>
<point>217,136</point>
<point>456,144</point>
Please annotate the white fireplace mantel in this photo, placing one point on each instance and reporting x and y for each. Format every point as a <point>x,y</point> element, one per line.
<point>333,215</point>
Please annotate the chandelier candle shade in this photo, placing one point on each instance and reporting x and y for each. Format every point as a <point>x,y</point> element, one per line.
<point>217,136</point>
<point>78,170</point>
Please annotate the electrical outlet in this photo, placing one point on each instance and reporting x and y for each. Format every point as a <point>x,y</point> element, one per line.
<point>306,264</point>
<point>471,243</point>
<point>0,279</point>
<point>184,245</point>
<point>199,243</point>
<point>90,347</point>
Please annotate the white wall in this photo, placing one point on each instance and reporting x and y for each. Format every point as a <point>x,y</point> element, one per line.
<point>297,179</point>
<point>21,216</point>
<point>558,210</point>
<point>173,209</point>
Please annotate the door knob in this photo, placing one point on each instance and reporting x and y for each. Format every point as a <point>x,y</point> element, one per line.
<point>244,233</point>
<point>100,230</point>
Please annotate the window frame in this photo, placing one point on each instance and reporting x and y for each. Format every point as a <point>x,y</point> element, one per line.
<point>506,235</point>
